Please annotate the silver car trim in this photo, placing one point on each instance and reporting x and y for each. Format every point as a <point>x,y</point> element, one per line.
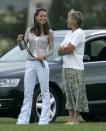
<point>97,102</point>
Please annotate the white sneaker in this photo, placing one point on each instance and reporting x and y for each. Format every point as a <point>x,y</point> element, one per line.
<point>41,123</point>
<point>20,123</point>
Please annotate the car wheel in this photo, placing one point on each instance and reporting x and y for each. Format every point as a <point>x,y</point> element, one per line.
<point>37,105</point>
<point>90,117</point>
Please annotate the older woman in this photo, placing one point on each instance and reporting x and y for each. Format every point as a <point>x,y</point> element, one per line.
<point>72,50</point>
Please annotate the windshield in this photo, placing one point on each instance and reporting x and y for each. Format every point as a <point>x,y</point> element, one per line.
<point>16,54</point>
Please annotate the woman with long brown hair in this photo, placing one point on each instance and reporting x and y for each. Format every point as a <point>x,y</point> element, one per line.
<point>38,38</point>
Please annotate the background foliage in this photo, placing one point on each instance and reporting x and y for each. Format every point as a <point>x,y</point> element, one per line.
<point>94,12</point>
<point>13,22</point>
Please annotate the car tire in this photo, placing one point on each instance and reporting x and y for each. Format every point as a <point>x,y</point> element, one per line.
<point>90,117</point>
<point>37,105</point>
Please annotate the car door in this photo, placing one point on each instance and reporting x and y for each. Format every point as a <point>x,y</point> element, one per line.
<point>55,62</point>
<point>95,72</point>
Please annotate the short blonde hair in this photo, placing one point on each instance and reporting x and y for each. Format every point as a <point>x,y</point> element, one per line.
<point>77,17</point>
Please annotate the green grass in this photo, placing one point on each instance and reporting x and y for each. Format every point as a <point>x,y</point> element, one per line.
<point>9,124</point>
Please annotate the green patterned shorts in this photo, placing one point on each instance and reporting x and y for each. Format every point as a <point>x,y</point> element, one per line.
<point>76,98</point>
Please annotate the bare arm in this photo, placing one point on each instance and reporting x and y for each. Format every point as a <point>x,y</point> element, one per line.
<point>22,40</point>
<point>66,50</point>
<point>51,43</point>
<point>51,47</point>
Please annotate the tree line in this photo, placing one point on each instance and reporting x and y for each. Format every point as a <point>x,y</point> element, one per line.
<point>94,12</point>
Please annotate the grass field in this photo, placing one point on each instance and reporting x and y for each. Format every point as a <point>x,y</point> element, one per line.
<point>9,124</point>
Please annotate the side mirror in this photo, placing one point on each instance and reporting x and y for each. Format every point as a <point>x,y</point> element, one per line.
<point>86,58</point>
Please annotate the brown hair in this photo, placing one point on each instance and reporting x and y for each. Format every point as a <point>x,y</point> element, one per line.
<point>36,28</point>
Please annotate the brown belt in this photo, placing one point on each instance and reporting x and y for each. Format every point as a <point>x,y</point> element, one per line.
<point>31,59</point>
<point>43,65</point>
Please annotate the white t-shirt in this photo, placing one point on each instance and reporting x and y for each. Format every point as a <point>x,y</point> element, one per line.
<point>74,60</point>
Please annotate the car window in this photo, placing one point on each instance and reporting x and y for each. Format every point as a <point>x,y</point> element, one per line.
<point>55,56</point>
<point>96,49</point>
<point>14,55</point>
<point>97,46</point>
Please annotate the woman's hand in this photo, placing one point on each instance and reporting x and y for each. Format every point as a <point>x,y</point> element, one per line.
<point>60,50</point>
<point>22,44</point>
<point>41,58</point>
<point>66,50</point>
<point>20,38</point>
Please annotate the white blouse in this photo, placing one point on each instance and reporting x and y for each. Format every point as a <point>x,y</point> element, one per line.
<point>39,45</point>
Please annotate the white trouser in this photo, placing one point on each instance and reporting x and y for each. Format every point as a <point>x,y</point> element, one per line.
<point>35,70</point>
